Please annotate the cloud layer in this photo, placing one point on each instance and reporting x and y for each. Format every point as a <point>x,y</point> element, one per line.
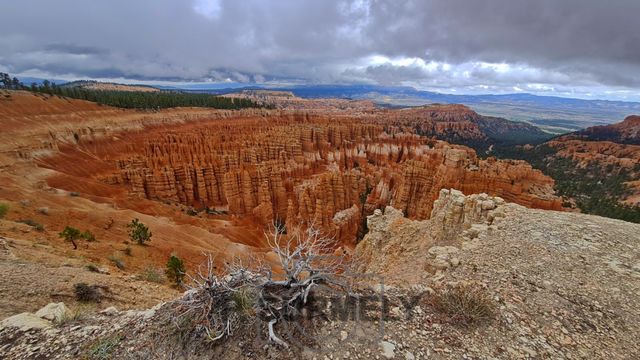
<point>580,47</point>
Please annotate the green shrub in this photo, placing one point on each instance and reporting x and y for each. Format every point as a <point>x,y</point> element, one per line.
<point>4,209</point>
<point>139,232</point>
<point>88,235</point>
<point>71,235</point>
<point>175,270</point>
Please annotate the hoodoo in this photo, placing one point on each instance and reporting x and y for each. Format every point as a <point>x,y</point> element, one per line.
<point>298,169</point>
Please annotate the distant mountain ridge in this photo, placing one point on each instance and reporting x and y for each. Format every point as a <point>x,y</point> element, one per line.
<point>109,86</point>
<point>459,124</point>
<point>626,132</point>
<point>554,114</point>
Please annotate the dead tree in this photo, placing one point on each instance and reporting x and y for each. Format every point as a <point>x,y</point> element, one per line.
<point>219,303</point>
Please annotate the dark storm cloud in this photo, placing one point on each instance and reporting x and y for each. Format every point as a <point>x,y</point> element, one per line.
<point>74,49</point>
<point>561,43</point>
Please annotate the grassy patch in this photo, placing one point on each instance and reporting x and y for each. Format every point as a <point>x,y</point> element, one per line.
<point>4,209</point>
<point>152,274</point>
<point>103,349</point>
<point>464,305</point>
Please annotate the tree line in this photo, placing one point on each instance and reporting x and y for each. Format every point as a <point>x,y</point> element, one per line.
<point>130,99</point>
<point>596,189</point>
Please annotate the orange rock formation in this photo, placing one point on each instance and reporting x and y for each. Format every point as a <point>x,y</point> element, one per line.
<point>330,165</point>
<point>298,169</point>
<point>614,147</point>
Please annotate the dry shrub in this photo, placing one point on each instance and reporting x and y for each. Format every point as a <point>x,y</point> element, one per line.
<point>34,224</point>
<point>245,301</point>
<point>88,293</point>
<point>93,268</point>
<point>76,314</point>
<point>152,274</point>
<point>117,262</point>
<point>245,296</point>
<point>464,304</point>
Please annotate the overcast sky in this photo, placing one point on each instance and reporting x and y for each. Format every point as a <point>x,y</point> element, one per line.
<point>584,48</point>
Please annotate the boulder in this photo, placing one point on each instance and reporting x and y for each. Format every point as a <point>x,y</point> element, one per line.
<point>25,322</point>
<point>55,312</point>
<point>388,349</point>
<point>110,311</point>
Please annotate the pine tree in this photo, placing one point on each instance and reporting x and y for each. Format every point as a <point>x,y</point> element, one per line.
<point>175,270</point>
<point>139,232</point>
<point>71,234</point>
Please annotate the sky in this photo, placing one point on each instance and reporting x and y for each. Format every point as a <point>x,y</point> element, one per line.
<point>576,48</point>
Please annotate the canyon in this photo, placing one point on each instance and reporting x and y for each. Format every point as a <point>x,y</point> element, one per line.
<point>379,182</point>
<point>297,169</point>
<point>614,149</point>
<point>227,176</point>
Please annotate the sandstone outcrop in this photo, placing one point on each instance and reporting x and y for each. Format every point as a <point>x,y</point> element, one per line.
<point>457,221</point>
<point>616,145</point>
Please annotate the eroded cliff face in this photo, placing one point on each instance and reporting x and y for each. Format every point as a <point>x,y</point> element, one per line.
<point>298,169</point>
<point>613,149</point>
<point>430,246</point>
<point>615,145</point>
<point>624,132</point>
